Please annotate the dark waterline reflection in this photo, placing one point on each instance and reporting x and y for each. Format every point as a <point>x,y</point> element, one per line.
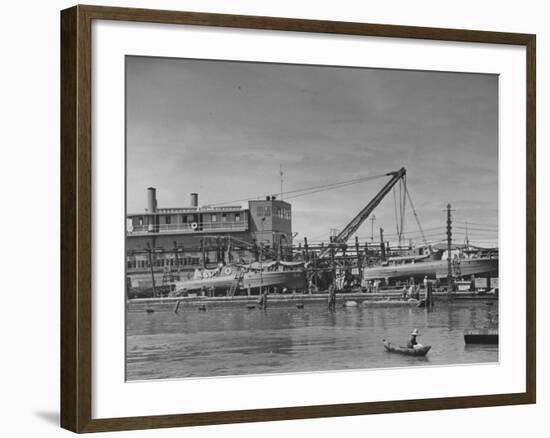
<point>234,340</point>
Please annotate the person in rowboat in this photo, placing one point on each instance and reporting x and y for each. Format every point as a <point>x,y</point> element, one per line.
<point>413,343</point>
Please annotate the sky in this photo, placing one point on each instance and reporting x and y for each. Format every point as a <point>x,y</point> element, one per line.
<point>223,129</point>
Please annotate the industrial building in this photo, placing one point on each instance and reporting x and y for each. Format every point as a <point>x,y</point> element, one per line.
<point>186,238</point>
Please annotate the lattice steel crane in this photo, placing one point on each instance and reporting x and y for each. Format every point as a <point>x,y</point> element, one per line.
<point>358,220</point>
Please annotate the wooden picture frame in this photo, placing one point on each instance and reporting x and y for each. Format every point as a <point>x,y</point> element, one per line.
<point>76,217</point>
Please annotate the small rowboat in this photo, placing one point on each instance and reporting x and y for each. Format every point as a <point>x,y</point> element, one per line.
<point>419,351</point>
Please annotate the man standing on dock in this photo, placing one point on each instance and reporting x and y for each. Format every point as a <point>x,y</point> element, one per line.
<point>410,293</point>
<point>417,292</point>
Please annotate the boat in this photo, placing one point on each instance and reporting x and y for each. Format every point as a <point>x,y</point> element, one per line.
<point>418,351</point>
<point>432,265</point>
<point>482,336</point>
<point>289,275</point>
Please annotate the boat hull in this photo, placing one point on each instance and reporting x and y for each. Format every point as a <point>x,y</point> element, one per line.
<point>437,269</point>
<point>421,351</point>
<point>295,279</point>
<point>288,279</point>
<point>484,336</point>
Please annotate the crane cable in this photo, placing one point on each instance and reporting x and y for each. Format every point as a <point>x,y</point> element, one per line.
<point>308,190</point>
<point>400,217</point>
<point>398,232</point>
<point>416,217</point>
<point>402,199</point>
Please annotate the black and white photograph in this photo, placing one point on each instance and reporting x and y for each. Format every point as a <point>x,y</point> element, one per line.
<point>275,219</point>
<point>288,218</point>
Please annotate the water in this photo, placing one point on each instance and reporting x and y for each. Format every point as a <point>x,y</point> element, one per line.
<point>232,340</point>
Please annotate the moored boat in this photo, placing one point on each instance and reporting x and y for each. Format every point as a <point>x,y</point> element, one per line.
<point>435,269</point>
<point>481,336</point>
<point>270,274</point>
<point>433,265</point>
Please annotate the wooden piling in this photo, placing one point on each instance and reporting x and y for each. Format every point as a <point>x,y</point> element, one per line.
<point>359,258</point>
<point>150,257</point>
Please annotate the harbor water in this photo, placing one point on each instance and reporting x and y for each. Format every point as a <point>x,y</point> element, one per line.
<point>234,340</point>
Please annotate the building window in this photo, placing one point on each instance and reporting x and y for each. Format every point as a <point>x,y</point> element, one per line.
<point>140,220</point>
<point>214,218</point>
<point>263,211</point>
<point>168,220</point>
<point>237,217</point>
<point>224,217</point>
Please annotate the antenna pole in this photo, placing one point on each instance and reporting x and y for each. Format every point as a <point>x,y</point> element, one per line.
<point>281,176</point>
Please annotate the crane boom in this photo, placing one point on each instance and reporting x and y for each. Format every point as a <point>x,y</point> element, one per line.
<point>356,222</point>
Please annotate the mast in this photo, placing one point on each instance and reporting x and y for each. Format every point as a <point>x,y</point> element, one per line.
<point>449,247</point>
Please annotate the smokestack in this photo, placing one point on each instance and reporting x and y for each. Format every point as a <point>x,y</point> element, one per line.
<point>151,199</point>
<point>194,200</point>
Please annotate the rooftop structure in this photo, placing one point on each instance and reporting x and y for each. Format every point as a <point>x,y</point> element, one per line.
<point>265,221</point>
